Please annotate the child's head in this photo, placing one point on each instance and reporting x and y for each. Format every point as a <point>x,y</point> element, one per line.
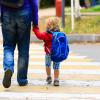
<point>52,23</point>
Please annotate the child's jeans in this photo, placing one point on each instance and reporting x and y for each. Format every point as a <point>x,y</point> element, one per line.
<point>48,61</point>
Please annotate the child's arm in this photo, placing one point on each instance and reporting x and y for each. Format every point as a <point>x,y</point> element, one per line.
<point>39,35</point>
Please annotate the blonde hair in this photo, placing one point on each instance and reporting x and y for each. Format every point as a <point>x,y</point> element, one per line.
<point>52,23</point>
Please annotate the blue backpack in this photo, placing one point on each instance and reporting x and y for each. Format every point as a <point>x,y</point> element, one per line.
<point>60,48</point>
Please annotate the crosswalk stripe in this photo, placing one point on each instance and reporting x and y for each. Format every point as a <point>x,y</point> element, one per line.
<point>68,83</point>
<point>70,71</point>
<point>70,63</point>
<point>97,72</point>
<point>50,96</point>
<point>42,56</point>
<point>63,63</point>
<point>81,77</point>
<point>63,77</point>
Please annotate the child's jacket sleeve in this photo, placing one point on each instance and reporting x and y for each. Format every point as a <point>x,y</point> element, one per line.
<point>40,35</point>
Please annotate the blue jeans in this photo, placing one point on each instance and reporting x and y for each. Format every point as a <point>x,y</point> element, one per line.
<point>48,61</point>
<point>16,31</point>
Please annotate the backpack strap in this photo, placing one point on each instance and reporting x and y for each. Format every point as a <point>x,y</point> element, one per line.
<point>48,50</point>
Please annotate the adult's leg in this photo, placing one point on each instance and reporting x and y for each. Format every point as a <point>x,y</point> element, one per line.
<point>9,43</point>
<point>24,26</point>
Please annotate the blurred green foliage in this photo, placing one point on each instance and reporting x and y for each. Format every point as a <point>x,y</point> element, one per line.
<point>51,3</point>
<point>47,3</point>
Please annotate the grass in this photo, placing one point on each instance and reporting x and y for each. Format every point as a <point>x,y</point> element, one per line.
<point>91,9</point>
<point>87,24</point>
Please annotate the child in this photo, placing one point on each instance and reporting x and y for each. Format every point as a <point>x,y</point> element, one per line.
<point>52,24</point>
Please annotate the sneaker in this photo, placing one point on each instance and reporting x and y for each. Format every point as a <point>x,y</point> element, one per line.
<point>23,84</point>
<point>7,78</point>
<point>56,83</point>
<point>49,80</point>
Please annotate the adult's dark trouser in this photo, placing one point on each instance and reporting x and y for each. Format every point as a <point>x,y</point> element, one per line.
<point>16,30</point>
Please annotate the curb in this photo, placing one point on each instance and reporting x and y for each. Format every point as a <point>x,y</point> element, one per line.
<point>84,38</point>
<point>75,38</point>
<point>72,38</point>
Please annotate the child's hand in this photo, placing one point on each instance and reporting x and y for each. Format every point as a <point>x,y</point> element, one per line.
<point>35,27</point>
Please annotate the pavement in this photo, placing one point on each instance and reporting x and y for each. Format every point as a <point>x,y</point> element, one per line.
<point>79,76</point>
<point>47,12</point>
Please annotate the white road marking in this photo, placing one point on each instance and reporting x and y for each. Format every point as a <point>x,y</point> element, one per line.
<point>41,63</point>
<point>72,71</point>
<point>47,96</point>
<point>67,83</point>
<point>43,55</point>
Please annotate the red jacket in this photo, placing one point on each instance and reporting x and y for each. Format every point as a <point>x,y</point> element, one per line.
<point>46,37</point>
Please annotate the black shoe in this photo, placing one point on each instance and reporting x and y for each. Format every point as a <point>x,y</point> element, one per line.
<point>7,78</point>
<point>49,80</point>
<point>23,84</point>
<point>56,83</point>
